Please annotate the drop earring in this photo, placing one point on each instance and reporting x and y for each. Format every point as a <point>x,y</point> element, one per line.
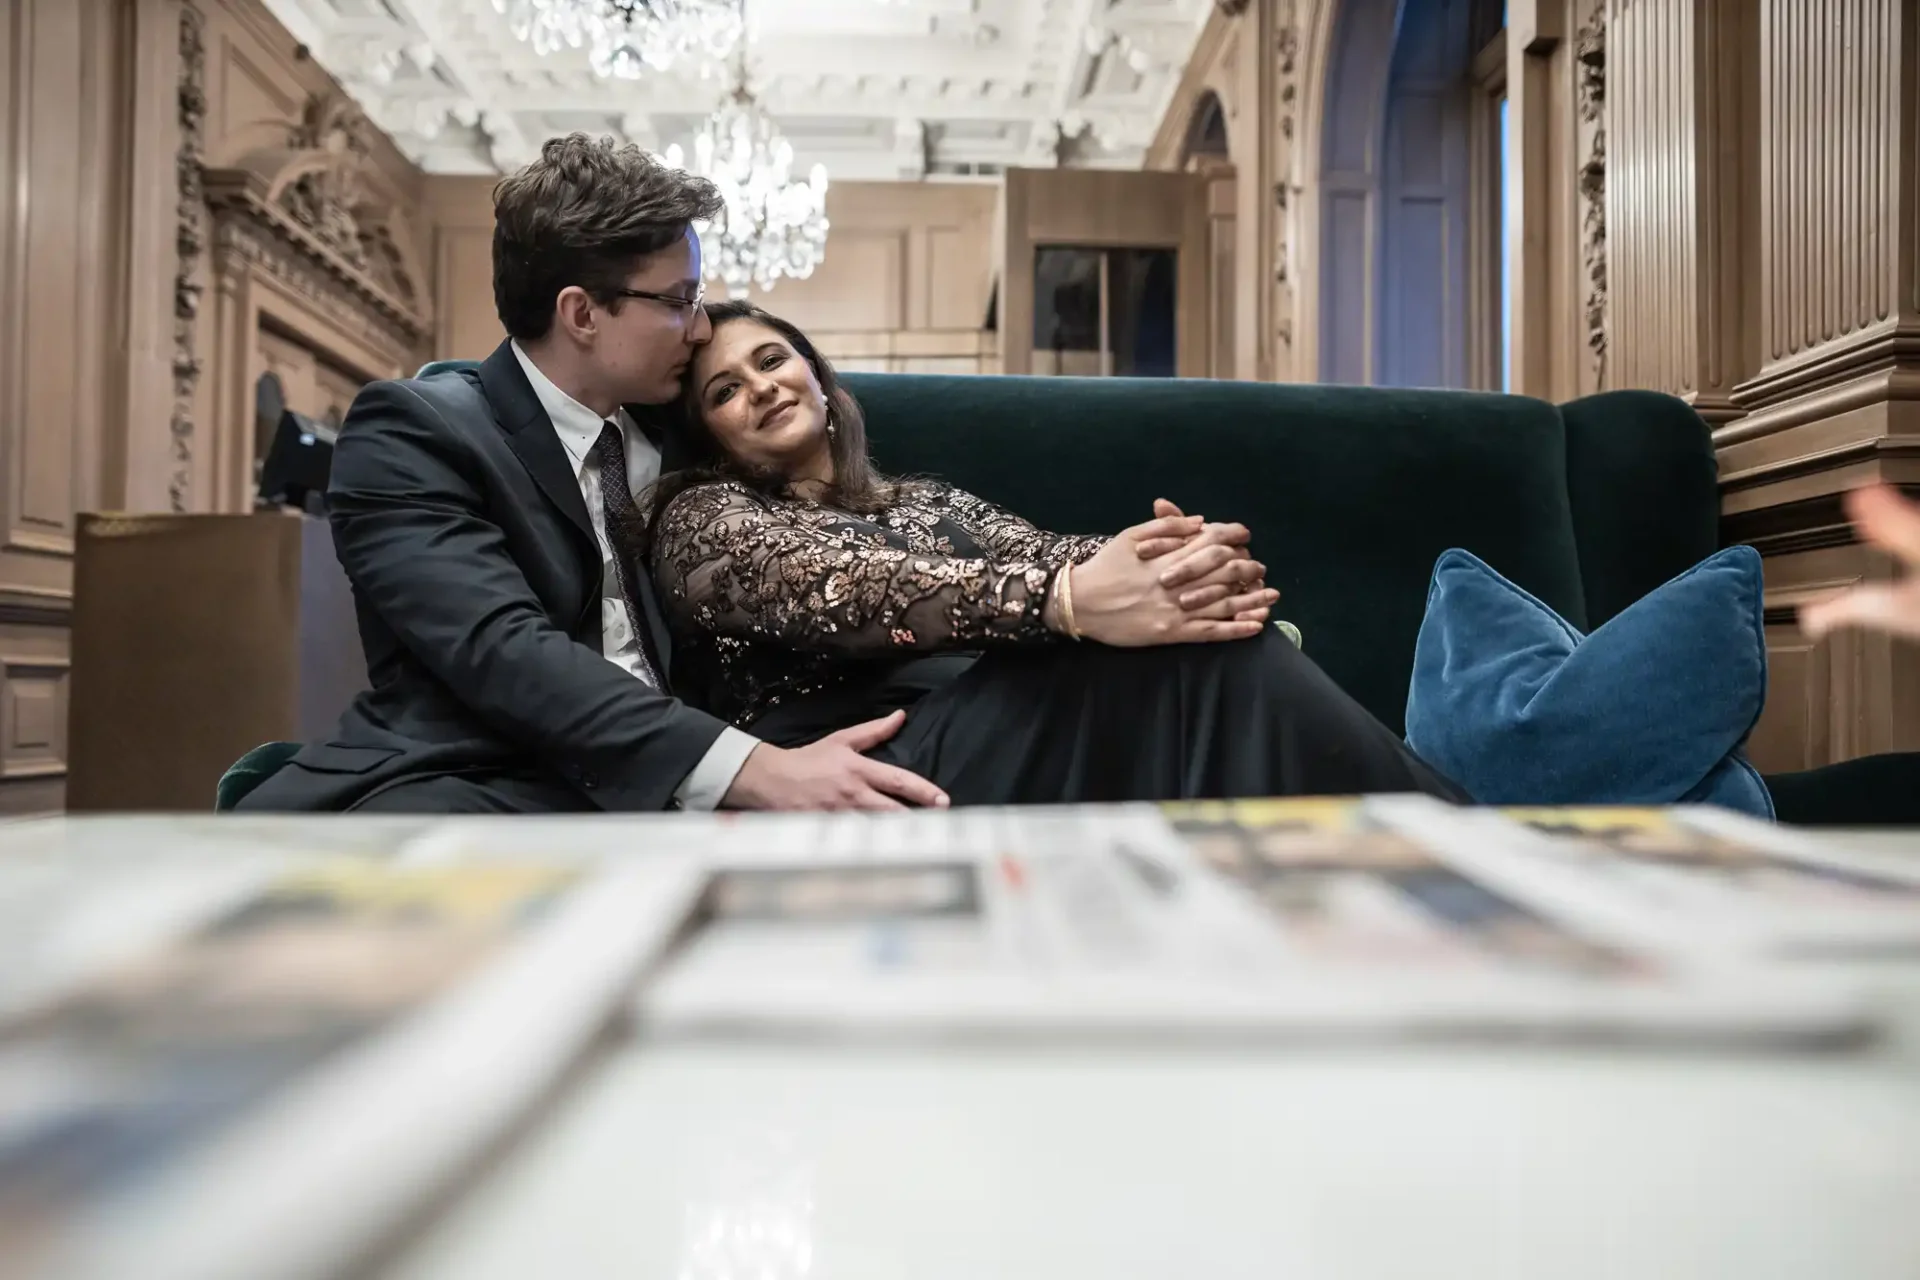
<point>830,426</point>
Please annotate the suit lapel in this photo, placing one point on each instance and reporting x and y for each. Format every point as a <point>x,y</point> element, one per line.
<point>531,434</point>
<point>533,438</point>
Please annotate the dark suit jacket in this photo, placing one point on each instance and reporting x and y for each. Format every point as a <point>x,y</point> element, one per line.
<point>476,580</point>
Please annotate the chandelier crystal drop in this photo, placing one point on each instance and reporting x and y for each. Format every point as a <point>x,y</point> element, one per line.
<point>624,38</point>
<point>773,225</point>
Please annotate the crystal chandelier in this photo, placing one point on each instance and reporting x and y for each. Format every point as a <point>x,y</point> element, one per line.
<point>625,37</point>
<point>772,225</point>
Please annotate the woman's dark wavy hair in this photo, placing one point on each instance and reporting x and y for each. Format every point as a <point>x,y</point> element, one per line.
<point>856,487</point>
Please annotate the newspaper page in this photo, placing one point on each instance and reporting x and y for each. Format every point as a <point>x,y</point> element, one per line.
<point>980,922</point>
<point>264,1092</point>
<point>75,893</point>
<point>1275,918</point>
<point>1423,918</point>
<point>1733,881</point>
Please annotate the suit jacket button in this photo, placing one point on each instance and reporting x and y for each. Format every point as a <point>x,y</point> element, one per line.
<point>588,781</point>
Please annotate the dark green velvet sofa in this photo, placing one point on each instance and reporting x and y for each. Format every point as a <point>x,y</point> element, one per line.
<point>1352,493</point>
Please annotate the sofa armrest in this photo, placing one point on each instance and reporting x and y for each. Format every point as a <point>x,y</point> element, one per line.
<point>1873,791</point>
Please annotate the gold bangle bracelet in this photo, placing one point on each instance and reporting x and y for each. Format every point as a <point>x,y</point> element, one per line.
<point>1064,583</point>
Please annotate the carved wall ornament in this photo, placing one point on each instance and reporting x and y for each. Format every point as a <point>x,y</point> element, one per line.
<point>327,198</point>
<point>240,242</point>
<point>1286,179</point>
<point>1590,59</point>
<point>189,241</point>
<point>319,193</point>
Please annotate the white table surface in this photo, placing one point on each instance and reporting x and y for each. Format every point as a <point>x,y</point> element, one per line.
<point>702,1161</point>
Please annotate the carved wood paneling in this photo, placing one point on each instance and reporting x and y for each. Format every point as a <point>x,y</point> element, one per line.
<point>1653,240</point>
<point>63,127</point>
<point>1830,165</point>
<point>1830,397</point>
<point>1811,717</point>
<point>1590,103</point>
<point>291,206</point>
<point>189,240</point>
<point>1837,240</point>
<point>33,717</point>
<point>1284,237</point>
<point>1850,694</point>
<point>1678,76</point>
<point>1794,732</point>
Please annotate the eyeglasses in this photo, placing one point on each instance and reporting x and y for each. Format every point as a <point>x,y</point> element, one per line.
<point>688,305</point>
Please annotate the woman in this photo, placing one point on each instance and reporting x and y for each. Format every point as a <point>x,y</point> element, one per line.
<point>808,594</point>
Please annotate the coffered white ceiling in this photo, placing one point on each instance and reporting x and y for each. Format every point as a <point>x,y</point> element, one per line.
<point>874,89</point>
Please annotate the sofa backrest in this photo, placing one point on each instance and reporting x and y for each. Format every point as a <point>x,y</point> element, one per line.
<point>1352,493</point>
<point>1645,491</point>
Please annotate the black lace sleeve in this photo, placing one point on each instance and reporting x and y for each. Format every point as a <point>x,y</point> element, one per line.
<point>731,563</point>
<point>1007,536</point>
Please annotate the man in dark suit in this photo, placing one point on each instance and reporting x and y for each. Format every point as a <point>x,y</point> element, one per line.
<point>516,652</point>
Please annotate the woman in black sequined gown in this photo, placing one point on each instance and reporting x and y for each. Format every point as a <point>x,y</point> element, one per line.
<point>807,594</point>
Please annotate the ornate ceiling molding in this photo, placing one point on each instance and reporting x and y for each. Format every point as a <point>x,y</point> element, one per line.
<point>978,85</point>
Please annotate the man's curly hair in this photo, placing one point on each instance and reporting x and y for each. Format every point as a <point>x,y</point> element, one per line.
<point>585,213</point>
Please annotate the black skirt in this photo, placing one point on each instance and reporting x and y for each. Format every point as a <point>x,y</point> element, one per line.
<point>1081,723</point>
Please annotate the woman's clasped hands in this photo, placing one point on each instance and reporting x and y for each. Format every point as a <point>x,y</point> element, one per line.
<point>1175,579</point>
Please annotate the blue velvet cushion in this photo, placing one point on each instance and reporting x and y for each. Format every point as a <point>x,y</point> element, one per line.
<point>1519,707</point>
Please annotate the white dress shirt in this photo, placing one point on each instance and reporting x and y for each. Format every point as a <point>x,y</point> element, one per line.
<point>579,429</point>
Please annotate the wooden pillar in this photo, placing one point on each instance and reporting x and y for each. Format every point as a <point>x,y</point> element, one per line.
<point>1223,272</point>
<point>1678,174</point>
<point>1255,199</point>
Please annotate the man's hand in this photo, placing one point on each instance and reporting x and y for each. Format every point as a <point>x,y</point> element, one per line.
<point>1214,577</point>
<point>831,774</point>
<point>1892,523</point>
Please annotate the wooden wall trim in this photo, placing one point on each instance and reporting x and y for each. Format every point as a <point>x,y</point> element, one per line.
<point>189,244</point>
<point>35,606</point>
<point>1887,342</point>
<point>1890,373</point>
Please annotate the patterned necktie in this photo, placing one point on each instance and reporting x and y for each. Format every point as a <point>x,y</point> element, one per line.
<point>622,519</point>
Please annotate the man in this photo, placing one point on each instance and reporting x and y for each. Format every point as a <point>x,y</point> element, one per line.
<point>517,654</point>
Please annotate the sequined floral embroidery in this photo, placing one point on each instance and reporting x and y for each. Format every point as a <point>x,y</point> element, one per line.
<point>770,598</point>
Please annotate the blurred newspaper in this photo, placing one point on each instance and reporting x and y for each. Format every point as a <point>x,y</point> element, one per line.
<point>248,1050</point>
<point>1395,917</point>
<point>273,1059</point>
